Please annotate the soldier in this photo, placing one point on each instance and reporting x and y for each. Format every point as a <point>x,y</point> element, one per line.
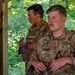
<point>38,29</point>
<point>54,54</point>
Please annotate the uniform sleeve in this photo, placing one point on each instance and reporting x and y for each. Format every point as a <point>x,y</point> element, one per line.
<point>36,52</point>
<point>34,56</point>
<point>73,48</point>
<point>29,30</point>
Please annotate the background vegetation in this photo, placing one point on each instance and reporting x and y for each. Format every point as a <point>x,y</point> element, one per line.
<point>18,26</point>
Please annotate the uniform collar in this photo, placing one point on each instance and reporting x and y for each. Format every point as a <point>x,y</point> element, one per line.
<point>60,37</point>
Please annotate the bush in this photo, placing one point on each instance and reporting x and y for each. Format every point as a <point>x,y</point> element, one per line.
<point>17,69</point>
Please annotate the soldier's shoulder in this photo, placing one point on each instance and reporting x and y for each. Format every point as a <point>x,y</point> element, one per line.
<point>44,23</point>
<point>73,34</point>
<point>30,28</point>
<point>69,33</point>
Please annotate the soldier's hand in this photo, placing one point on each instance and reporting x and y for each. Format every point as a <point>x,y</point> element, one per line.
<point>39,66</point>
<point>21,42</point>
<point>59,63</point>
<point>32,45</point>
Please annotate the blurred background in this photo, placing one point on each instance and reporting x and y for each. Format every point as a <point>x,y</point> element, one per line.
<point>18,25</point>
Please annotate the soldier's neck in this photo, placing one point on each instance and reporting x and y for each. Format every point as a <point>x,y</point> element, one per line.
<point>58,33</point>
<point>39,22</point>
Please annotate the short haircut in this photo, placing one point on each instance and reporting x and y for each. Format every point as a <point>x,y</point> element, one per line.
<point>37,8</point>
<point>60,8</point>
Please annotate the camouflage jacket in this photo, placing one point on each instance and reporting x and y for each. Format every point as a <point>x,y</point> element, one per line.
<point>50,49</point>
<point>34,34</point>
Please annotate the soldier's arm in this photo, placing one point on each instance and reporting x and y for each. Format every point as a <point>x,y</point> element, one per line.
<point>32,45</point>
<point>65,60</point>
<point>34,56</point>
<point>21,44</point>
<point>73,49</point>
<point>34,61</point>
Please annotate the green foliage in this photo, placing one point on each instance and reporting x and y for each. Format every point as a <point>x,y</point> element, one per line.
<point>70,24</point>
<point>19,69</point>
<point>18,27</point>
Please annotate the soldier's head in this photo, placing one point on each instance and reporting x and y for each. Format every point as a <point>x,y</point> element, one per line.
<point>34,12</point>
<point>56,17</point>
<point>59,8</point>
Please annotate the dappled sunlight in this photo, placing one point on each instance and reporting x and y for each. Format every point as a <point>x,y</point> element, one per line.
<point>18,26</point>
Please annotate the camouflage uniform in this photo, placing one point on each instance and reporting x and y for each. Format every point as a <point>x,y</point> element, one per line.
<point>50,49</point>
<point>34,34</point>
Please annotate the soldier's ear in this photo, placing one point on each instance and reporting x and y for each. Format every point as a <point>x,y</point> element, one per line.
<point>37,15</point>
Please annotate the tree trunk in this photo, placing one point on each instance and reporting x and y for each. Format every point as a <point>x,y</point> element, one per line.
<point>1,42</point>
